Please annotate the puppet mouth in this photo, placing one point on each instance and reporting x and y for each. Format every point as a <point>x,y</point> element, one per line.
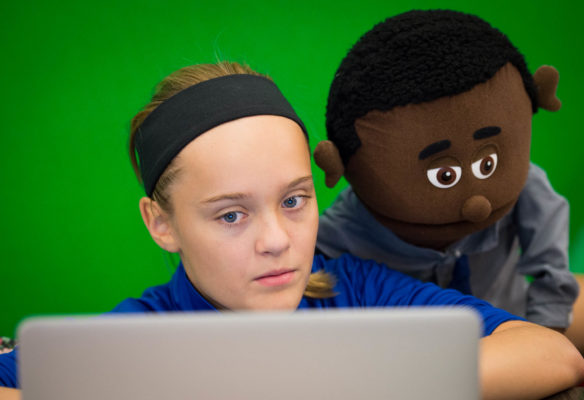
<point>441,234</point>
<point>493,216</point>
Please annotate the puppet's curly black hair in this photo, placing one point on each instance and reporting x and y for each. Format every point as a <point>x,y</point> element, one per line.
<point>412,58</point>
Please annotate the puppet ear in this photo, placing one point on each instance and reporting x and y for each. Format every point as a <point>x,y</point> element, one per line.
<point>546,79</point>
<point>327,157</point>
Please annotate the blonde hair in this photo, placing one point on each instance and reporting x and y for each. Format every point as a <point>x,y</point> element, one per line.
<point>320,284</point>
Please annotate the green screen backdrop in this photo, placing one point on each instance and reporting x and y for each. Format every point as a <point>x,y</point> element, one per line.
<point>74,73</point>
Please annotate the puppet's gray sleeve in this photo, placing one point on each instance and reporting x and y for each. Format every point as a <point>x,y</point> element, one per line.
<point>543,221</point>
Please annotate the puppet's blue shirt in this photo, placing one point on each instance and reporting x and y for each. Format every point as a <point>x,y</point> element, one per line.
<point>359,283</point>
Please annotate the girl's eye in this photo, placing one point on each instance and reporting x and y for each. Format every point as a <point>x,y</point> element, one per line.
<point>444,177</point>
<point>293,202</point>
<point>231,217</point>
<point>485,167</point>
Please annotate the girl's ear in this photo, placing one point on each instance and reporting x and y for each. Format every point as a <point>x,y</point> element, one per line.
<point>546,79</point>
<point>327,157</point>
<point>158,224</point>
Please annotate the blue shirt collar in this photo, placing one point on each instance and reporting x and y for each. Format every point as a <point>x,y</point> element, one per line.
<point>185,296</point>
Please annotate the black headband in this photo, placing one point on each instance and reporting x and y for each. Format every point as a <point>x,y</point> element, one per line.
<point>198,108</point>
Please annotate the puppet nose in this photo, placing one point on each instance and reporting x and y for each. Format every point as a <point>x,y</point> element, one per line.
<point>476,209</point>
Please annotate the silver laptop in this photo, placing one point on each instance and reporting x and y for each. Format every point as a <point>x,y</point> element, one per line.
<point>414,353</point>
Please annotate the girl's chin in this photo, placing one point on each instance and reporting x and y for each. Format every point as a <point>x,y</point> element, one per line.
<point>288,301</point>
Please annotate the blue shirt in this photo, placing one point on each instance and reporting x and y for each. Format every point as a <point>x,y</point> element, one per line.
<point>359,283</point>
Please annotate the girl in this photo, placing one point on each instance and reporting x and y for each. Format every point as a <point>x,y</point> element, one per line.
<point>226,168</point>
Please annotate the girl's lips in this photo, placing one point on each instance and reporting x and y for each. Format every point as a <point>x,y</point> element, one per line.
<point>276,278</point>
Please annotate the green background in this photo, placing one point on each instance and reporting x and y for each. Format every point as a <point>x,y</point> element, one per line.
<point>74,73</point>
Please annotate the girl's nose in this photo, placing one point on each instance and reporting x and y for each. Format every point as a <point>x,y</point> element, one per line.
<point>272,237</point>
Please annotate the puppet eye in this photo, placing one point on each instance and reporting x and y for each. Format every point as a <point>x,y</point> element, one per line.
<point>485,167</point>
<point>444,177</point>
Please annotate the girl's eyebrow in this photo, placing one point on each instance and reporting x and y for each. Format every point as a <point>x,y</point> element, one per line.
<point>227,196</point>
<point>299,181</point>
<point>242,196</point>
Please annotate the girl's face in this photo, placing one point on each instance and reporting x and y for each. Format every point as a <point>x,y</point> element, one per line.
<point>245,215</point>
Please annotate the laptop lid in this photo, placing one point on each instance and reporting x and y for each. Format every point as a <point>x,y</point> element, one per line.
<point>413,353</point>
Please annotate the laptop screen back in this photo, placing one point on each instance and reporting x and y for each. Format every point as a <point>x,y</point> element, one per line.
<point>416,353</point>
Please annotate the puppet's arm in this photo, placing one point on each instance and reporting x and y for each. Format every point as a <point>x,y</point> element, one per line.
<point>542,217</point>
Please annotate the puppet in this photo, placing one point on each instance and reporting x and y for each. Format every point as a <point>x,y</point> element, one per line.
<point>429,119</point>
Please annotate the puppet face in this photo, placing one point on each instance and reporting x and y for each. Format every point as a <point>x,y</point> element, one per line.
<point>437,171</point>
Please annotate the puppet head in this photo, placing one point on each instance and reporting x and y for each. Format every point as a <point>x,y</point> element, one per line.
<point>429,119</point>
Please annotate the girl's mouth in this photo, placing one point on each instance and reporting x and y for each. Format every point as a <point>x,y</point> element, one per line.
<point>276,277</point>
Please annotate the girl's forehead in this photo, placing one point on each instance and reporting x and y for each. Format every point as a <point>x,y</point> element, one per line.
<point>252,151</point>
<point>252,138</point>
